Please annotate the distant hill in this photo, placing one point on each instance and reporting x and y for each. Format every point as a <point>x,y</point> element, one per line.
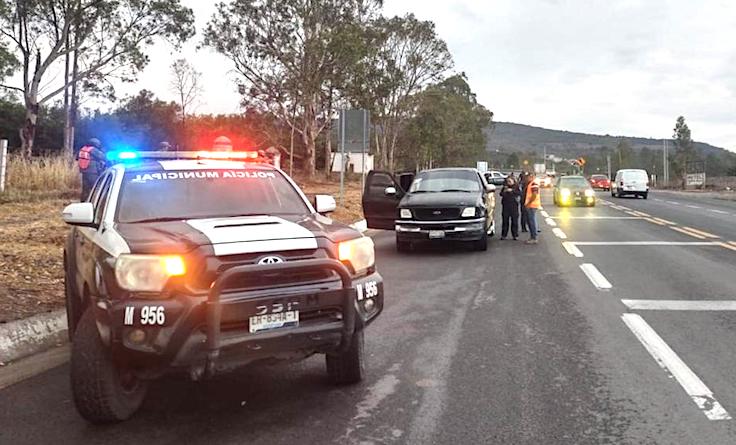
<point>507,137</point>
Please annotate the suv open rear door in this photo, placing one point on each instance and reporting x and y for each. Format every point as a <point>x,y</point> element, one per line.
<point>381,196</point>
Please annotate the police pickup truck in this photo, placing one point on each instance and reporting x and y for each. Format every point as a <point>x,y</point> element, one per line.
<point>204,262</point>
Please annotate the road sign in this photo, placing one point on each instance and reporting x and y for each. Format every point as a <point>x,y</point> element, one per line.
<point>482,166</point>
<point>695,179</point>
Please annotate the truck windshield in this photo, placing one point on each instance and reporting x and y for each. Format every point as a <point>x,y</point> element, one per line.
<point>574,182</point>
<point>172,195</point>
<point>445,181</point>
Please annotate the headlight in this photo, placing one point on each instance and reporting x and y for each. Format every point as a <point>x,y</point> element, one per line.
<point>147,273</point>
<point>589,193</point>
<point>358,252</point>
<point>565,193</point>
<point>468,212</point>
<point>405,213</point>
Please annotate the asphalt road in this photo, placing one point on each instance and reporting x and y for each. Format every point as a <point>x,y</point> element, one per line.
<point>514,345</point>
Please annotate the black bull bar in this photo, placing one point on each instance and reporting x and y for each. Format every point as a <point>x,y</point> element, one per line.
<point>214,305</point>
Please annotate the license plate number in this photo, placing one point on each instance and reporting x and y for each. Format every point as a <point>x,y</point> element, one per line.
<point>434,234</point>
<point>273,321</point>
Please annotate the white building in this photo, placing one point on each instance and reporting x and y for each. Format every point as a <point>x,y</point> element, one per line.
<point>353,162</point>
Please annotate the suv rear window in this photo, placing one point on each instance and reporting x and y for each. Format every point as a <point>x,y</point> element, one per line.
<point>212,193</point>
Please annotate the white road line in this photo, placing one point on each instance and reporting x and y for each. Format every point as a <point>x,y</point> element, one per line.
<point>673,202</point>
<point>625,208</point>
<point>669,361</point>
<point>669,223</point>
<point>551,222</point>
<point>718,211</point>
<point>680,305</point>
<point>633,213</point>
<point>658,200</point>
<point>559,233</point>
<point>597,217</point>
<point>730,246</point>
<point>572,249</point>
<point>595,276</point>
<point>642,214</point>
<point>693,207</point>
<point>654,221</point>
<point>544,213</point>
<point>646,243</point>
<point>694,235</point>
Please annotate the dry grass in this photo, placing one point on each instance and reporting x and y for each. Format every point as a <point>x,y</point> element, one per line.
<point>40,178</point>
<point>31,269</point>
<point>32,232</point>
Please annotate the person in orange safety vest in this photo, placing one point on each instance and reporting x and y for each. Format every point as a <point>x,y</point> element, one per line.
<point>532,203</point>
<point>92,161</point>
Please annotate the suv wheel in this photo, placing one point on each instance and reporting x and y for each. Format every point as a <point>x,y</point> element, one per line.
<point>644,195</point>
<point>348,367</point>
<point>103,393</point>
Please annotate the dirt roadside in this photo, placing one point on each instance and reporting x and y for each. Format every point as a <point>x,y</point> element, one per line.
<point>32,236</point>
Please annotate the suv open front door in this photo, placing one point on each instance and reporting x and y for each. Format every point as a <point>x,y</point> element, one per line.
<point>381,196</point>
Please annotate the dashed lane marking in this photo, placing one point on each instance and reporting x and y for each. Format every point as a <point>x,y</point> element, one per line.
<point>573,250</point>
<point>694,235</point>
<point>673,202</point>
<point>544,213</point>
<point>729,246</point>
<point>559,233</point>
<point>551,222</point>
<point>595,276</point>
<point>659,200</point>
<point>642,214</point>
<point>680,305</point>
<point>701,233</point>
<point>632,213</point>
<point>624,207</point>
<point>693,207</point>
<point>669,361</point>
<point>720,212</point>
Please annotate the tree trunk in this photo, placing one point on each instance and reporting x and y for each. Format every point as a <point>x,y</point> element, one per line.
<point>28,131</point>
<point>308,137</point>
<point>328,151</point>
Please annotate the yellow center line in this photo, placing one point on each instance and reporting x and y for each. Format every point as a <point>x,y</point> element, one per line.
<point>633,213</point>
<point>701,233</point>
<point>669,223</point>
<point>653,220</point>
<point>687,233</point>
<point>642,214</point>
<point>733,243</point>
<point>731,246</point>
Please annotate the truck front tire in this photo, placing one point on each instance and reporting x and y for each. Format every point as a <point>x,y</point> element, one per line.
<point>102,392</point>
<point>348,367</point>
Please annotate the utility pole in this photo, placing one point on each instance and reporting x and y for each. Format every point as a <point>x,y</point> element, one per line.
<point>608,163</point>
<point>666,164</point>
<point>342,154</point>
<point>3,162</point>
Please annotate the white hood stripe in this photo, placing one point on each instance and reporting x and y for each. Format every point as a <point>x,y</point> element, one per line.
<point>254,234</point>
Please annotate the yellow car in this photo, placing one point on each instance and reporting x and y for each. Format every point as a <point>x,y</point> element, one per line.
<point>573,191</point>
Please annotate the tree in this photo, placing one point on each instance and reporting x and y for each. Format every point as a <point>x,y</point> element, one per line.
<point>286,53</point>
<point>513,160</point>
<point>624,154</point>
<point>684,149</point>
<point>107,38</point>
<point>447,128</point>
<point>406,55</point>
<point>186,84</point>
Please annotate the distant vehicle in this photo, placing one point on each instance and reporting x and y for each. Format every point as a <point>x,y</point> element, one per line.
<point>630,182</point>
<point>540,168</point>
<point>441,204</point>
<point>495,177</point>
<point>600,182</point>
<point>546,181</point>
<point>573,190</point>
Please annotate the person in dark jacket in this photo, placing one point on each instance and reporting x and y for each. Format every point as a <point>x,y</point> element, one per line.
<point>92,161</point>
<point>510,200</point>
<point>523,182</point>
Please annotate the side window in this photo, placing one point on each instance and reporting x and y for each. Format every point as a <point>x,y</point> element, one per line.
<point>377,183</point>
<point>101,198</point>
<point>94,195</point>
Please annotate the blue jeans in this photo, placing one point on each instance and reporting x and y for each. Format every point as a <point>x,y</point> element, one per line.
<point>532,222</point>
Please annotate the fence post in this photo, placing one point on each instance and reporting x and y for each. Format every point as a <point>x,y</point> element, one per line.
<point>3,162</point>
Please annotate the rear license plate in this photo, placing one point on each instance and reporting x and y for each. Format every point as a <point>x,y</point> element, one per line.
<point>434,234</point>
<point>273,321</point>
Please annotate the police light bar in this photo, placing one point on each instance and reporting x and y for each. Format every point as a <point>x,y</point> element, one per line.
<point>130,155</point>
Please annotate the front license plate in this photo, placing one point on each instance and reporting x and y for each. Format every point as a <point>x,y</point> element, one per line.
<point>273,321</point>
<point>434,234</point>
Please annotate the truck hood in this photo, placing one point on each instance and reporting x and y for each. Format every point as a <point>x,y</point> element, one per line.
<point>441,199</point>
<point>234,235</point>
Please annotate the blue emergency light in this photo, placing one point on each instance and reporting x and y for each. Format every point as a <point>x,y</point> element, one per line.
<point>125,155</point>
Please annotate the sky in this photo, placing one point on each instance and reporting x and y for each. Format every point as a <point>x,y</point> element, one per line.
<point>624,67</point>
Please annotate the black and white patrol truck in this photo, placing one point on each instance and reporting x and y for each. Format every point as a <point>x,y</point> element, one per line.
<point>203,265</point>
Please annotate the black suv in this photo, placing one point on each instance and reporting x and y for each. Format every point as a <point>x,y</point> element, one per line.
<point>202,266</point>
<point>440,204</point>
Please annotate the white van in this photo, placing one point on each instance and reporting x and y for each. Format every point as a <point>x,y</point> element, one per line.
<point>630,182</point>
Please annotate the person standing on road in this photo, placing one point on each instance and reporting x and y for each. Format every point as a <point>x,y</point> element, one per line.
<point>532,202</point>
<point>92,161</point>
<point>510,199</point>
<point>523,183</point>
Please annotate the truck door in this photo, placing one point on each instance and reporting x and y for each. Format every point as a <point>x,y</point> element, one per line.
<point>381,196</point>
